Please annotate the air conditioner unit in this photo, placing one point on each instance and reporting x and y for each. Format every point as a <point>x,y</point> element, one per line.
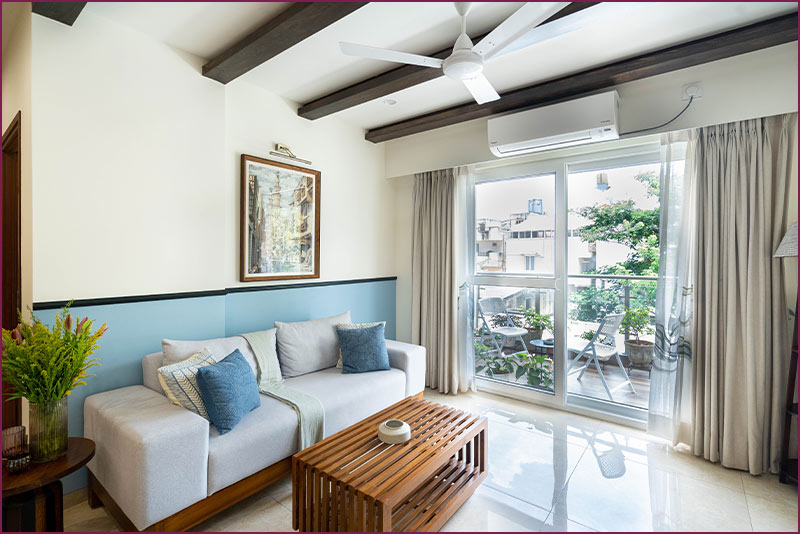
<point>577,122</point>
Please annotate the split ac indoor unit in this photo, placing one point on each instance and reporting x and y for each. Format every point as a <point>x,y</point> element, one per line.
<point>577,122</point>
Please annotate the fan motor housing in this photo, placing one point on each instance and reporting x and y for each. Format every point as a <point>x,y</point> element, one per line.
<point>463,65</point>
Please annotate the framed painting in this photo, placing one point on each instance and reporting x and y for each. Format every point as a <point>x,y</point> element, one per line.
<point>280,221</point>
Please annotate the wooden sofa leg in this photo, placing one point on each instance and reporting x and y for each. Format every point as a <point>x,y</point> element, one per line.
<point>93,499</point>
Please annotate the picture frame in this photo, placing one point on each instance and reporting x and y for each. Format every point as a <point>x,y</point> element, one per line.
<point>280,221</point>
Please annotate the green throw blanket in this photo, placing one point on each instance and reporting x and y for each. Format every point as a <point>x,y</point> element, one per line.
<point>310,412</point>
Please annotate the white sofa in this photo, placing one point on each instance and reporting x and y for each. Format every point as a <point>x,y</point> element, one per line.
<point>161,467</point>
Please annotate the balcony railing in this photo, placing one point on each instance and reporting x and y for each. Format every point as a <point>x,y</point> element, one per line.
<point>590,298</point>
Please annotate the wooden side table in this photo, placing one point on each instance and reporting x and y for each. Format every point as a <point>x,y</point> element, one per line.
<point>33,499</point>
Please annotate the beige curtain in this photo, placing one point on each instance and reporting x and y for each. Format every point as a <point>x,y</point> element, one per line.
<point>435,284</point>
<point>740,336</point>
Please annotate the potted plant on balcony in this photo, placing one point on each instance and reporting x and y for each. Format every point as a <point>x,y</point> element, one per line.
<point>536,368</point>
<point>637,323</point>
<point>493,364</point>
<point>536,323</point>
<point>44,365</point>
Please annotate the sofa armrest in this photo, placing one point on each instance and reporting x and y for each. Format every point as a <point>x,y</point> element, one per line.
<point>151,456</point>
<point>411,360</point>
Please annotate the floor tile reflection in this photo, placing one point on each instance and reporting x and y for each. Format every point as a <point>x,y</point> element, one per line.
<point>554,471</point>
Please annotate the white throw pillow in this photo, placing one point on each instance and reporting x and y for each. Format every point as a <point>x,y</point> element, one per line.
<point>179,381</point>
<point>350,326</point>
<point>176,350</point>
<point>308,346</point>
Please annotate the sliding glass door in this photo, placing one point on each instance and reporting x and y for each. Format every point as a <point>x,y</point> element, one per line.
<point>516,257</point>
<point>566,257</point>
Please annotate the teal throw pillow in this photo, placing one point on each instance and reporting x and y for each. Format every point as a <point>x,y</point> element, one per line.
<point>363,349</point>
<point>229,391</point>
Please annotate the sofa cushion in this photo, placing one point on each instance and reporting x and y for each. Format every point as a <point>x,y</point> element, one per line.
<point>363,349</point>
<point>179,382</point>
<point>267,435</point>
<point>308,346</point>
<point>150,365</point>
<point>229,391</point>
<point>349,398</point>
<point>353,325</point>
<point>176,350</point>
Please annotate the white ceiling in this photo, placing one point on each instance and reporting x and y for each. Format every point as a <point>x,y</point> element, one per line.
<point>315,66</point>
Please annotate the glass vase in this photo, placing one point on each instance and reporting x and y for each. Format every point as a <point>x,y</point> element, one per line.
<point>48,430</point>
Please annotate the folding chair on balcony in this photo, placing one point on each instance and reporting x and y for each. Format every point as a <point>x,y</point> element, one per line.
<point>601,348</point>
<point>494,307</point>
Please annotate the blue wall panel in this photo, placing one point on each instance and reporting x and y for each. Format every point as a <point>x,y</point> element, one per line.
<point>258,310</point>
<point>136,329</point>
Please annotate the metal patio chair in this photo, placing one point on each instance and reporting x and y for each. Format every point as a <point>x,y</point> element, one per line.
<point>491,307</point>
<point>601,348</point>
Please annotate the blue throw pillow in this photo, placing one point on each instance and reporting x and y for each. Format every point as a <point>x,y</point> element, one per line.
<point>363,349</point>
<point>229,391</point>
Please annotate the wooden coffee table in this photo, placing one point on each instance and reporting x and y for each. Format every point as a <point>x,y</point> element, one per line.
<point>352,481</point>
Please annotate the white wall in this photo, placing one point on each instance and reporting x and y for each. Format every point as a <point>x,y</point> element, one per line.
<point>128,165</point>
<point>753,85</point>
<point>136,185</point>
<point>17,98</point>
<point>356,201</point>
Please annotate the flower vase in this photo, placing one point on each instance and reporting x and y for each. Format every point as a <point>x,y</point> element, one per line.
<point>48,430</point>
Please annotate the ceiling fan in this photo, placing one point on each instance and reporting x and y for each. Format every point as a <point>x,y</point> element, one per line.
<point>465,64</point>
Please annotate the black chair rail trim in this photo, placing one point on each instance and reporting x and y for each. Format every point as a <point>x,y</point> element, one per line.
<point>105,301</point>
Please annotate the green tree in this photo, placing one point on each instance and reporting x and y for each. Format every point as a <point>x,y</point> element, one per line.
<point>636,228</point>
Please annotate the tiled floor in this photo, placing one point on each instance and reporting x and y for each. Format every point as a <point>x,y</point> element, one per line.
<point>554,471</point>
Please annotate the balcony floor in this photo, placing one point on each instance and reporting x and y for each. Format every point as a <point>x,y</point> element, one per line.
<point>591,386</point>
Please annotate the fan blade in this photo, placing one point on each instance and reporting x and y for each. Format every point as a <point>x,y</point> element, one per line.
<point>389,55</point>
<point>590,15</point>
<point>528,16</point>
<point>481,90</point>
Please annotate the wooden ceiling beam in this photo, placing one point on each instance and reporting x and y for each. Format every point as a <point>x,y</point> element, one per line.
<point>299,21</point>
<point>63,12</point>
<point>398,79</point>
<point>750,38</point>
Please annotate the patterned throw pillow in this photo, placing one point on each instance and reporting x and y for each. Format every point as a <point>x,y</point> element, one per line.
<point>229,390</point>
<point>179,381</point>
<point>351,326</point>
<point>363,349</point>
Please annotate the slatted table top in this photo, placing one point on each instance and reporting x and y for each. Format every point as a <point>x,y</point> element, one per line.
<point>357,458</point>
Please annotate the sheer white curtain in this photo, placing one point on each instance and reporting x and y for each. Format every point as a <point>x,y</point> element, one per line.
<point>441,277</point>
<point>465,269</point>
<point>670,378</point>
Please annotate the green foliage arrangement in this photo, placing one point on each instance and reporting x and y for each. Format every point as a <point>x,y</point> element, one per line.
<point>536,368</point>
<point>637,321</point>
<point>45,364</point>
<point>532,320</point>
<point>491,362</point>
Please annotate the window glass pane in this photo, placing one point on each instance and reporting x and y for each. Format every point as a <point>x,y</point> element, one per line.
<point>515,226</point>
<point>612,262</point>
<point>514,335</point>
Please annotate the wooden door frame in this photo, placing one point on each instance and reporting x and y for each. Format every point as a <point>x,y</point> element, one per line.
<point>12,144</point>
